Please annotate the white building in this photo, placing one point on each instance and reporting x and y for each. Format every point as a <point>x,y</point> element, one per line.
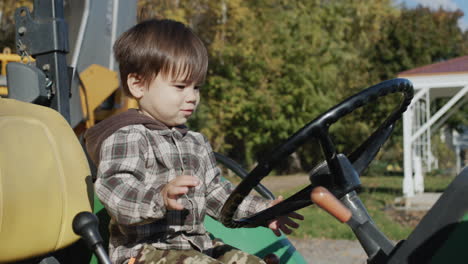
<point>444,79</point>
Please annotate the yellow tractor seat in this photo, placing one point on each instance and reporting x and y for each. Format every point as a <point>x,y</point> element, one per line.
<point>44,181</point>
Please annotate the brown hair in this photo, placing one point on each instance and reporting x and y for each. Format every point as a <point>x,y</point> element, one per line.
<point>161,46</point>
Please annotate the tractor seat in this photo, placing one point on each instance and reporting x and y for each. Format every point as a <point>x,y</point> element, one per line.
<point>44,181</point>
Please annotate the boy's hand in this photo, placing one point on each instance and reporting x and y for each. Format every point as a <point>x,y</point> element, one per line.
<point>175,188</point>
<point>284,222</point>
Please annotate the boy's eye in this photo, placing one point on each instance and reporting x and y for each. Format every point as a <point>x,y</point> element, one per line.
<point>183,86</point>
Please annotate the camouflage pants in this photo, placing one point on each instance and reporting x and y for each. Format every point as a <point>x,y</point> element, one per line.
<point>221,253</point>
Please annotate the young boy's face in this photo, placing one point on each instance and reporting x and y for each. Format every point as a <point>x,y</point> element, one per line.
<point>169,101</point>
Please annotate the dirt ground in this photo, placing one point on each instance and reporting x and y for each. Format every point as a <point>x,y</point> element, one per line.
<point>284,183</point>
<point>330,251</point>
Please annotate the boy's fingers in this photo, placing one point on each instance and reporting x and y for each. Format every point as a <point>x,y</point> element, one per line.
<point>290,223</point>
<point>276,201</point>
<point>277,232</point>
<point>176,191</point>
<point>279,199</point>
<point>296,216</point>
<point>275,228</point>
<point>177,187</point>
<point>187,175</point>
<point>273,225</point>
<point>285,229</point>
<point>174,205</point>
<point>186,180</point>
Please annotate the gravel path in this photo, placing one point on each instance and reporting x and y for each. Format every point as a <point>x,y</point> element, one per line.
<point>329,251</point>
<point>285,183</point>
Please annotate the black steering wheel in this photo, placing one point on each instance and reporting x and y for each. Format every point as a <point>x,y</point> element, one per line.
<point>339,173</point>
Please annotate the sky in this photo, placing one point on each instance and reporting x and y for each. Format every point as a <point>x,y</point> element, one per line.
<point>445,4</point>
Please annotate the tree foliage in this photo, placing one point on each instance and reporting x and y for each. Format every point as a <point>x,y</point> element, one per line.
<point>275,65</point>
<point>417,37</point>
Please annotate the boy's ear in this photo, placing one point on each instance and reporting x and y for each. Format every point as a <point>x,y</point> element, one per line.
<point>136,86</point>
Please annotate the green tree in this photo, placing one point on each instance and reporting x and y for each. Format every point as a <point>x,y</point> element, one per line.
<point>275,65</point>
<point>413,38</point>
<point>418,37</point>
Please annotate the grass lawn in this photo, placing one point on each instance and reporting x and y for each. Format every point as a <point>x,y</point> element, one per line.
<point>378,194</point>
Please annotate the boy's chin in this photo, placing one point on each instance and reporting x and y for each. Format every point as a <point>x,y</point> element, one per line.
<point>180,122</point>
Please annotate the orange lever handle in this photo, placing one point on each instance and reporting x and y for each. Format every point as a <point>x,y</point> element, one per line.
<point>328,202</point>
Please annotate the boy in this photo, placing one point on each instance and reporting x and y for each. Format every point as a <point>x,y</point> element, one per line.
<point>157,179</point>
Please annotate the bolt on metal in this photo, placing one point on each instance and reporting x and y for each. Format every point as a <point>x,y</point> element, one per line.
<point>22,30</point>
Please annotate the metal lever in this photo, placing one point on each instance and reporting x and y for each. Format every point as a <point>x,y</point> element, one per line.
<point>351,211</point>
<point>85,224</point>
<point>323,198</point>
<point>373,241</point>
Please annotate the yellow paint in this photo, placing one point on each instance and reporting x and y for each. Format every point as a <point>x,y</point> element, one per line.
<point>3,91</point>
<point>98,84</point>
<point>43,181</point>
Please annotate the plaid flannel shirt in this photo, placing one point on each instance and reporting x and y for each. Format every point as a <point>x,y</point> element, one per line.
<point>135,164</point>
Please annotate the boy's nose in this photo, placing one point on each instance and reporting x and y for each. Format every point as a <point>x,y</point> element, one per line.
<point>192,95</point>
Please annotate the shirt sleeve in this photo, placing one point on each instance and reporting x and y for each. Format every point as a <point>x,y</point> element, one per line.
<point>120,184</point>
<point>218,190</point>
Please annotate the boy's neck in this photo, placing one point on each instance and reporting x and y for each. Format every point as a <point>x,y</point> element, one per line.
<point>159,121</point>
<point>155,119</point>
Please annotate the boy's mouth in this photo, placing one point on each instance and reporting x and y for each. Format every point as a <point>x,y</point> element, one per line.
<point>187,111</point>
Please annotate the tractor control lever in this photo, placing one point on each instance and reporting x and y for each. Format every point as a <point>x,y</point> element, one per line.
<point>351,211</point>
<point>324,199</point>
<point>373,241</point>
<point>85,224</point>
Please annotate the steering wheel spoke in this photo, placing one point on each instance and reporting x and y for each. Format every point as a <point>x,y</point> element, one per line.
<point>297,201</point>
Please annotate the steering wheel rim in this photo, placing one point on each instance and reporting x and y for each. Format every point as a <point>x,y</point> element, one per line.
<point>359,159</point>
